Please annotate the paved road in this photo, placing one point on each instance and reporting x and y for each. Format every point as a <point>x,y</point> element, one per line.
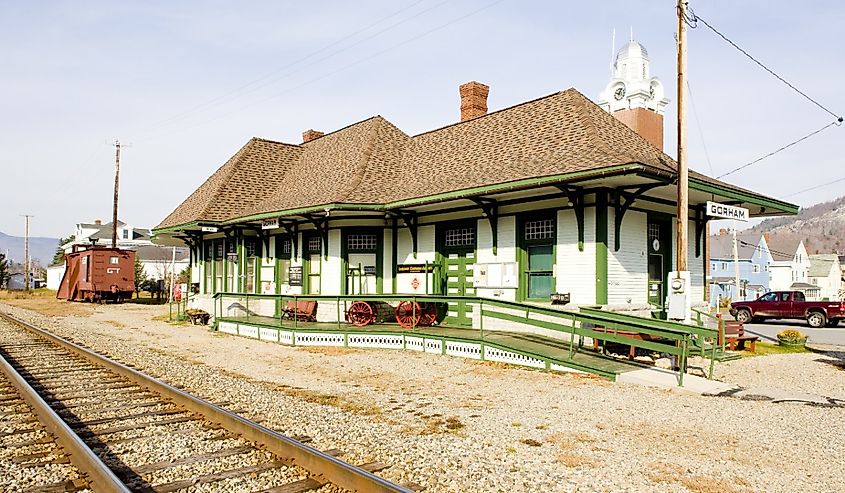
<point>767,331</point>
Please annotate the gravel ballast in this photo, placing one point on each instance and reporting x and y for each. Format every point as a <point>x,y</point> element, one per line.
<point>457,425</point>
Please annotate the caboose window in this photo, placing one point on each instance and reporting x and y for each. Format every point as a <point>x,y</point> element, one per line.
<point>114,260</point>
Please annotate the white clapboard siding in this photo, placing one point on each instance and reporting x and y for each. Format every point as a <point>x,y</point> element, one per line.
<point>576,270</point>
<point>627,268</point>
<point>425,246</point>
<point>330,268</point>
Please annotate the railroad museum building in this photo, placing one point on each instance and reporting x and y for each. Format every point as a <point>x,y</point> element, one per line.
<point>553,195</point>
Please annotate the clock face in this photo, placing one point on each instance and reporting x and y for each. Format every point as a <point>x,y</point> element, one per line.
<point>619,93</point>
<point>651,91</point>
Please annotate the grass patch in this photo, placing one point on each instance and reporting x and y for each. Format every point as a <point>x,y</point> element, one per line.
<point>531,442</point>
<point>341,403</point>
<point>767,348</point>
<point>44,301</point>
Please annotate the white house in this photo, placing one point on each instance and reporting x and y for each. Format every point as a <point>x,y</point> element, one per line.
<point>97,233</point>
<point>790,267</point>
<point>826,273</point>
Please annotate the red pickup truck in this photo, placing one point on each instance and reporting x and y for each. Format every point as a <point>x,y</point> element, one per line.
<point>789,304</point>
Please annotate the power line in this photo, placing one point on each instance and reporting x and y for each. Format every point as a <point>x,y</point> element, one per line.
<point>837,123</point>
<point>693,23</point>
<point>348,66</point>
<point>700,131</point>
<point>814,188</point>
<point>270,77</point>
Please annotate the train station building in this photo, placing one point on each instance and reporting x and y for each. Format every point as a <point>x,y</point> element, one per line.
<point>553,197</point>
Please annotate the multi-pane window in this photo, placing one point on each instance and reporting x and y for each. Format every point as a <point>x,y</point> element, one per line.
<point>361,242</point>
<point>653,232</point>
<point>539,230</point>
<point>314,244</point>
<point>251,247</point>
<point>460,237</point>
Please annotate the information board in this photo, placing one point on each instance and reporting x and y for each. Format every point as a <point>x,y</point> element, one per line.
<point>295,275</point>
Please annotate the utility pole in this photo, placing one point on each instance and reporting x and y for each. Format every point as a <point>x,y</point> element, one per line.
<point>683,199</point>
<point>736,263</point>
<point>116,183</point>
<point>26,251</point>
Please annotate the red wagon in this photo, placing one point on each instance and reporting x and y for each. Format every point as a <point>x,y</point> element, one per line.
<point>408,314</point>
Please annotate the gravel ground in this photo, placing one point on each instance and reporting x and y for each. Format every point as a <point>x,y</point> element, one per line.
<point>456,425</point>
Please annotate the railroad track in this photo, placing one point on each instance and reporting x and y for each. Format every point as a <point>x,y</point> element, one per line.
<point>122,430</point>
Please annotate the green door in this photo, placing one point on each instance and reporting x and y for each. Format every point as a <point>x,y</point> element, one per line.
<point>457,249</point>
<point>659,259</point>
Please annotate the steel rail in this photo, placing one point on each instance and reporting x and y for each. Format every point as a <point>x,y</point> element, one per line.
<point>102,478</point>
<point>318,463</point>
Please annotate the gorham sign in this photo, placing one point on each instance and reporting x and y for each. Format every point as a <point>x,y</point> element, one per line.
<point>716,209</point>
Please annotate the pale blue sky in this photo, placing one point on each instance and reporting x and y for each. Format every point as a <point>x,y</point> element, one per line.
<point>78,75</point>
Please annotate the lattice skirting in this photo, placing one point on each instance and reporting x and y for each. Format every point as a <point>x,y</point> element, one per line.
<point>461,349</point>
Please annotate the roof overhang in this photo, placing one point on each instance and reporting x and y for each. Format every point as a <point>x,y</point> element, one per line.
<point>624,175</point>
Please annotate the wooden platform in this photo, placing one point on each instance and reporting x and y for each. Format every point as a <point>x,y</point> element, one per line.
<point>491,345</point>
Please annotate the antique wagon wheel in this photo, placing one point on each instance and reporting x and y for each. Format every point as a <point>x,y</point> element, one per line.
<point>360,313</point>
<point>429,314</point>
<point>408,314</point>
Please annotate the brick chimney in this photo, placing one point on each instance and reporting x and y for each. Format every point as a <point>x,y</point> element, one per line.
<point>98,222</point>
<point>473,100</point>
<point>648,123</point>
<point>767,237</point>
<point>311,134</point>
<point>723,231</point>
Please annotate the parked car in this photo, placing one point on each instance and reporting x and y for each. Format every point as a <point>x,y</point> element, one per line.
<point>789,304</point>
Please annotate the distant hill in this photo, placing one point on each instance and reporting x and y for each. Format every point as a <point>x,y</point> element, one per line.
<point>41,249</point>
<point>822,227</point>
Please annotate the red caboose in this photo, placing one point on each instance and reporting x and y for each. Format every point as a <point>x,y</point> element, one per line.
<point>98,274</point>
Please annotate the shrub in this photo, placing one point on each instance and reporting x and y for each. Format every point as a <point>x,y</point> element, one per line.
<point>725,301</point>
<point>791,336</point>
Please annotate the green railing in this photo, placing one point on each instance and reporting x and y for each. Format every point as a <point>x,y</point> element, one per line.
<point>662,336</point>
<point>701,318</point>
<point>176,310</point>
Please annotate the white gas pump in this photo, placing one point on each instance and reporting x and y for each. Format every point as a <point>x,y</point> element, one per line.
<point>678,299</point>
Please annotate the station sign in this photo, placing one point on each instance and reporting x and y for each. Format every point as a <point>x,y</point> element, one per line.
<point>209,229</point>
<point>414,268</point>
<point>295,275</point>
<point>715,209</point>
<point>270,223</point>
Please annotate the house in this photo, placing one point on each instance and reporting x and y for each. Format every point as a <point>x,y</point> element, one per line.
<point>97,233</point>
<point>826,273</point>
<point>159,262</point>
<point>790,266</point>
<point>754,260</point>
<point>552,195</point>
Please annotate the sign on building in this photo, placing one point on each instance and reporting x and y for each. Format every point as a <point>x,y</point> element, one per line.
<point>209,229</point>
<point>715,209</point>
<point>270,223</point>
<point>295,275</point>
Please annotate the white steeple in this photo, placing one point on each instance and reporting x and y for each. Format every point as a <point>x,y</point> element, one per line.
<point>631,85</point>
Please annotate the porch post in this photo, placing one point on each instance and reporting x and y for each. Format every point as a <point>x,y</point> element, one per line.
<point>601,247</point>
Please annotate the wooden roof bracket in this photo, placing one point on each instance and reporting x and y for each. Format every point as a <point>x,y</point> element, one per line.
<point>292,230</point>
<point>701,220</point>
<point>322,225</point>
<point>490,209</point>
<point>411,220</point>
<point>576,196</point>
<point>620,208</point>
<point>194,242</point>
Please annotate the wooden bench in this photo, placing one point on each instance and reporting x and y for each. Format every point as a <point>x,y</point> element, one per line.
<point>632,353</point>
<point>301,310</point>
<point>735,338</point>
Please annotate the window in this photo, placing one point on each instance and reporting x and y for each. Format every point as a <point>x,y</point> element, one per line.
<point>723,266</point>
<point>712,265</point>
<point>114,260</point>
<point>85,267</point>
<point>755,268</point>
<point>539,230</point>
<point>769,297</point>
<point>231,266</point>
<point>785,297</point>
<point>218,266</point>
<point>208,269</point>
<point>361,242</point>
<point>460,237</point>
<point>125,234</point>
<point>799,296</point>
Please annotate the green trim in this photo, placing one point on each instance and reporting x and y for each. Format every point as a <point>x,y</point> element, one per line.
<point>601,247</point>
<point>751,198</point>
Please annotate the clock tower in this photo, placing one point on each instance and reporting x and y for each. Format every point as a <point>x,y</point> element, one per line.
<point>633,96</point>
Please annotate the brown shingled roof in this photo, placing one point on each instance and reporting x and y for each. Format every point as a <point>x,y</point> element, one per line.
<point>373,162</point>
